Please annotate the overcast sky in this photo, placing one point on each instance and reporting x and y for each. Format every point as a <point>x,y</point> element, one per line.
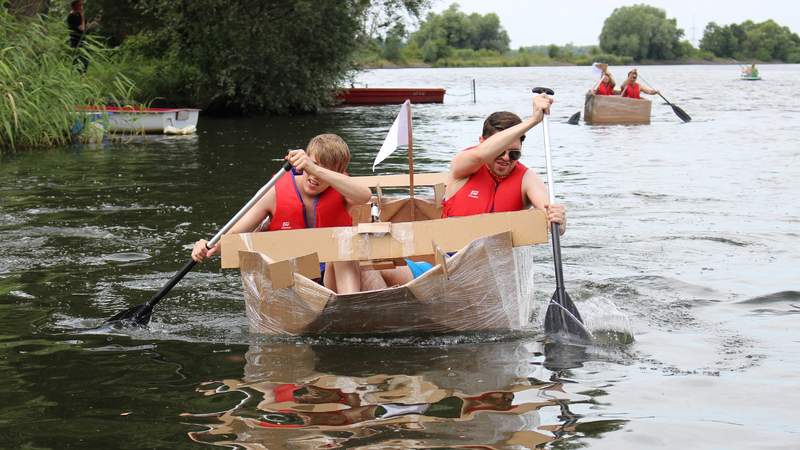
<point>536,22</point>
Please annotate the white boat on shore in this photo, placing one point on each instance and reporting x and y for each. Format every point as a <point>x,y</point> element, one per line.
<point>134,120</point>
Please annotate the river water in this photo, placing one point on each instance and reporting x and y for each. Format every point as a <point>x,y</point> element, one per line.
<point>684,236</point>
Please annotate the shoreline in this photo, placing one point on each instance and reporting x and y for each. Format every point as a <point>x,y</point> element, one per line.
<point>688,62</point>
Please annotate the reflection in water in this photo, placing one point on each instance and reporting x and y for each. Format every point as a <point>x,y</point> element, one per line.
<point>284,400</point>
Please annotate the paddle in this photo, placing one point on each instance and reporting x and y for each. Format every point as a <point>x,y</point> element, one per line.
<point>140,315</point>
<point>575,118</point>
<point>562,316</point>
<point>676,109</point>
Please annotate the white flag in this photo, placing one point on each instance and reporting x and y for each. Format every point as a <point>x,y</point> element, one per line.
<point>599,68</point>
<point>397,136</point>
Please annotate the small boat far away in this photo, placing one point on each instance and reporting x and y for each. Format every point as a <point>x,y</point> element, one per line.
<point>136,120</point>
<point>616,110</point>
<point>389,96</point>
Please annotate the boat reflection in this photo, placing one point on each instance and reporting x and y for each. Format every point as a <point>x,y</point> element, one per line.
<point>288,398</point>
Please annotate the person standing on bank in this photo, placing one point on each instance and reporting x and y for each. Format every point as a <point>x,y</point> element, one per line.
<point>76,22</point>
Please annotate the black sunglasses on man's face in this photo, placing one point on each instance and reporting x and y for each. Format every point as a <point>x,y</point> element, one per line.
<point>513,155</point>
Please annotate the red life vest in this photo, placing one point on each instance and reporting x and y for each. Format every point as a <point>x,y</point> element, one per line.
<point>605,89</point>
<point>330,208</point>
<point>631,91</point>
<point>483,193</point>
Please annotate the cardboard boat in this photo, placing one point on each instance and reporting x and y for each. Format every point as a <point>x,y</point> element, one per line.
<point>486,286</point>
<point>616,110</point>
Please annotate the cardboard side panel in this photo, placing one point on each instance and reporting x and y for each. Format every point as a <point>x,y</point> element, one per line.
<point>405,239</point>
<point>420,179</point>
<point>284,312</point>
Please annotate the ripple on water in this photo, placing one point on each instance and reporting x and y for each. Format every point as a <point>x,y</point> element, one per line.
<point>720,239</point>
<point>126,257</point>
<point>775,297</point>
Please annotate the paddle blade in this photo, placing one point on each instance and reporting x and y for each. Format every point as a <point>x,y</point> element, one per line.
<point>138,316</point>
<point>564,319</point>
<point>575,118</point>
<point>681,113</point>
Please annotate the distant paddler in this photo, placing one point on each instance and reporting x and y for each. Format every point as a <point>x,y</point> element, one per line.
<point>750,72</point>
<point>631,88</point>
<point>605,86</point>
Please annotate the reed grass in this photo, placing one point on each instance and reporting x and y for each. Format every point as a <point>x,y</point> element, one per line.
<point>40,84</point>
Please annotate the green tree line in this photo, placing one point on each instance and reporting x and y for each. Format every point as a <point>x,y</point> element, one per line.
<point>630,34</point>
<point>765,41</point>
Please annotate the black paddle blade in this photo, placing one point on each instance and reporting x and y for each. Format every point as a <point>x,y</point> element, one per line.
<point>564,318</point>
<point>138,316</point>
<point>681,113</point>
<point>575,118</point>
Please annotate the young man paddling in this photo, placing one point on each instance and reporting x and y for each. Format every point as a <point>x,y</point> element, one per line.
<point>316,194</point>
<point>489,178</point>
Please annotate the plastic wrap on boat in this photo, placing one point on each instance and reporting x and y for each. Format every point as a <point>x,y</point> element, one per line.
<point>487,286</point>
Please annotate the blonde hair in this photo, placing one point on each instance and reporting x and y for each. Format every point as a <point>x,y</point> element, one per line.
<point>611,81</point>
<point>330,150</point>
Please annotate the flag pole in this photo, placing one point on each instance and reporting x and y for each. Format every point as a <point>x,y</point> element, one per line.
<point>410,164</point>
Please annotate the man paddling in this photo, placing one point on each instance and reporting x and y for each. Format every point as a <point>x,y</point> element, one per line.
<point>318,193</point>
<point>630,87</point>
<point>489,178</point>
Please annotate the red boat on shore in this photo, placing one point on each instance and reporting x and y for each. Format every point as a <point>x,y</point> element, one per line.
<point>389,96</point>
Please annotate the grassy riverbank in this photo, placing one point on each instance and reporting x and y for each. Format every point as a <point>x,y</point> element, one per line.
<point>40,83</point>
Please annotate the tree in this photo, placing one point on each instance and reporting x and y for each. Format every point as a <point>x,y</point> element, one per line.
<point>254,56</point>
<point>393,43</point>
<point>765,41</point>
<point>641,32</point>
<point>721,41</point>
<point>453,29</point>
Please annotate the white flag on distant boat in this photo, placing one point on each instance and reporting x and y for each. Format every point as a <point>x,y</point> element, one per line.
<point>397,136</point>
<point>599,68</point>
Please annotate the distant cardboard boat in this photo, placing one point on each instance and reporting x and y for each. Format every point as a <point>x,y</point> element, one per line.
<point>389,96</point>
<point>616,110</point>
<point>134,120</point>
<point>486,286</point>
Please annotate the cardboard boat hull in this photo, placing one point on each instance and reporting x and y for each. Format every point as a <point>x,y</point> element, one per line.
<point>616,110</point>
<point>485,287</point>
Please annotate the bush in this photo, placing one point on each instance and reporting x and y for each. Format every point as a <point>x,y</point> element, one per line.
<point>40,83</point>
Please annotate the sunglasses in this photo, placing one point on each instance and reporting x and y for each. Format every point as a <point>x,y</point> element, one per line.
<point>513,155</point>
